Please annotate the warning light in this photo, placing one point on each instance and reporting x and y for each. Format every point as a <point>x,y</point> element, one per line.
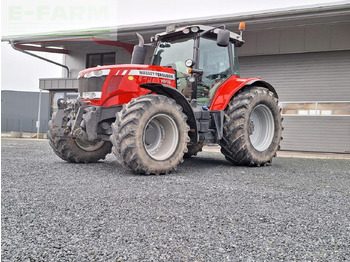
<point>130,77</point>
<point>241,26</point>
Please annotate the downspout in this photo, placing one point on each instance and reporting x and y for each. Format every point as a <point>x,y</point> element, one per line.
<point>47,60</point>
<point>40,57</point>
<point>38,122</point>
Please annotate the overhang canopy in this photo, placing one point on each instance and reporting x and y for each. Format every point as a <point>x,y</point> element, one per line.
<point>124,36</point>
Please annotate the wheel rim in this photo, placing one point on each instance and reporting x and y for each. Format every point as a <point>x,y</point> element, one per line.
<point>160,137</point>
<point>88,145</point>
<point>261,127</point>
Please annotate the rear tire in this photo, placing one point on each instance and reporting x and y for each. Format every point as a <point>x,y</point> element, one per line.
<point>252,128</point>
<point>77,150</point>
<point>150,135</point>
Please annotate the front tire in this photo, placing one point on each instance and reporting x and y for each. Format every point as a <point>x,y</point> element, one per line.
<point>150,135</point>
<point>77,150</point>
<point>252,128</point>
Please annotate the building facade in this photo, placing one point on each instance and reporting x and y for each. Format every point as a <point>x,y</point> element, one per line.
<point>304,53</point>
<point>19,111</point>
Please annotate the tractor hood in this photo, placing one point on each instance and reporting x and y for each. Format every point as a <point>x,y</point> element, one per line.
<point>128,69</point>
<point>117,84</point>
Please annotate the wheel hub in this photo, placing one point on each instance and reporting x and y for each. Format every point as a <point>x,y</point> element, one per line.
<point>250,127</point>
<point>261,127</point>
<point>161,137</point>
<point>153,136</point>
<point>89,146</point>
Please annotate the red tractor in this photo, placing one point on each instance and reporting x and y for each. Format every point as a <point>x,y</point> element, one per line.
<point>152,116</point>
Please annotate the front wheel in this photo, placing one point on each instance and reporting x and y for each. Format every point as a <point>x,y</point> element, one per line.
<point>252,127</point>
<point>77,150</point>
<point>150,135</point>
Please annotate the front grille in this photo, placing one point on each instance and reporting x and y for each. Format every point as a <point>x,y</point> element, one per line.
<point>91,84</point>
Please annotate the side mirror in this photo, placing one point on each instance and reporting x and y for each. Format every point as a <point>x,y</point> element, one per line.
<point>157,58</point>
<point>139,53</point>
<point>223,38</point>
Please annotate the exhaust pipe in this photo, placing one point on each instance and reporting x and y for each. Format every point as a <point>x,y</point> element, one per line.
<point>139,53</point>
<point>141,40</point>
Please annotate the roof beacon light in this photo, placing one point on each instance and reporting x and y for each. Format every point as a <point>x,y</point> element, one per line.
<point>241,27</point>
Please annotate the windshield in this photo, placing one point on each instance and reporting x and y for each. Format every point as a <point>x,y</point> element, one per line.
<point>174,54</point>
<point>168,53</point>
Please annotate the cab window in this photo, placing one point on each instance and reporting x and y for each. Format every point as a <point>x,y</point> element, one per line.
<point>174,54</point>
<point>215,62</point>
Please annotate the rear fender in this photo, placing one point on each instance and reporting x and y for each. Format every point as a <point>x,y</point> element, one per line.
<point>230,87</point>
<point>262,83</point>
<point>173,93</point>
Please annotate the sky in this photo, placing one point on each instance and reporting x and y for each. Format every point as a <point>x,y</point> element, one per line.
<point>21,72</point>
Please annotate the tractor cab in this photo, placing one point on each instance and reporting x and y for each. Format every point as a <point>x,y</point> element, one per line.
<point>203,57</point>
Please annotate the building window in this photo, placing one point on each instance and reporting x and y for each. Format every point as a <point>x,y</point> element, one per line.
<point>333,108</point>
<point>93,60</point>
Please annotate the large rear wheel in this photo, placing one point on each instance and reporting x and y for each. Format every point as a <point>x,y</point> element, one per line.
<point>150,135</point>
<point>252,127</point>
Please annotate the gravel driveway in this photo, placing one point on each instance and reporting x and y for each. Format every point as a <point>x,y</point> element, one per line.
<point>294,210</point>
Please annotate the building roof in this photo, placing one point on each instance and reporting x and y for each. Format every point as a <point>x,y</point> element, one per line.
<point>333,12</point>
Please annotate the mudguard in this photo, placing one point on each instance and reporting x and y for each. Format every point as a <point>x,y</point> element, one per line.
<point>228,89</point>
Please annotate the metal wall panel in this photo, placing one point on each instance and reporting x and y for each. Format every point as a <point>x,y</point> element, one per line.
<point>308,77</point>
<point>317,38</point>
<point>320,76</point>
<point>297,39</point>
<point>19,111</point>
<point>316,133</point>
<point>292,40</point>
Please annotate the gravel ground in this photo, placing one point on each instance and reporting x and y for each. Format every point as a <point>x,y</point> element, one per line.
<point>294,210</point>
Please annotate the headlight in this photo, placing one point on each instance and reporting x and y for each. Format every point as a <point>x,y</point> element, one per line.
<point>186,31</point>
<point>97,73</point>
<point>91,95</point>
<point>189,63</point>
<point>194,29</point>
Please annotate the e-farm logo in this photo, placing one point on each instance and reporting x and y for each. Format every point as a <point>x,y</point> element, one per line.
<point>38,15</point>
<point>57,13</point>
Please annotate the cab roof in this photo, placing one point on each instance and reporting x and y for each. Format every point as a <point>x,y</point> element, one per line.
<point>173,33</point>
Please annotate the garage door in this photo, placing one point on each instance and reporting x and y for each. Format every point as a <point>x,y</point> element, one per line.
<point>314,92</point>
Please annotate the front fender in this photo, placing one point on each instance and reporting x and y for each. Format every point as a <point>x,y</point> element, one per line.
<point>229,88</point>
